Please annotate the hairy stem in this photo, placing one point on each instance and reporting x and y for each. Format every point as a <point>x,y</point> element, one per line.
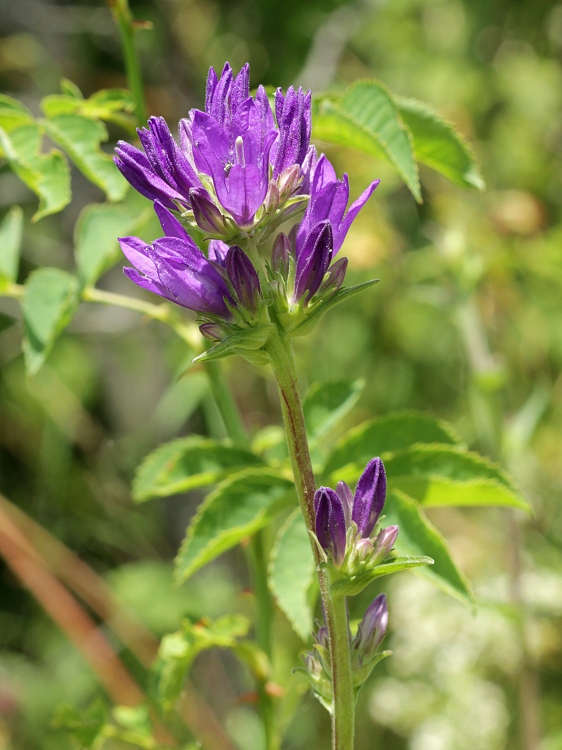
<point>343,705</point>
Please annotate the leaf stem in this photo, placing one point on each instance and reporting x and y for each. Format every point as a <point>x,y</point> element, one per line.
<point>126,24</point>
<point>335,613</point>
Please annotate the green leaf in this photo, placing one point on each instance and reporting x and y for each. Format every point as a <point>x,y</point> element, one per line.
<point>49,302</point>
<point>47,175</point>
<point>418,536</point>
<point>291,574</point>
<point>13,114</point>
<point>367,119</point>
<point>95,238</point>
<point>188,463</point>
<point>240,506</point>
<point>354,585</point>
<point>441,475</point>
<point>439,145</point>
<point>326,403</point>
<point>81,137</point>
<point>247,339</point>
<point>391,432</point>
<point>86,726</point>
<point>178,651</point>
<point>319,310</point>
<point>11,230</point>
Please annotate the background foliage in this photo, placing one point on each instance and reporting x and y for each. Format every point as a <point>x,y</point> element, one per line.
<point>465,325</point>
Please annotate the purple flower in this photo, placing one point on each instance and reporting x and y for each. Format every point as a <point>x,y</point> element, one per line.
<point>371,631</point>
<point>336,511</point>
<point>293,113</point>
<point>328,201</point>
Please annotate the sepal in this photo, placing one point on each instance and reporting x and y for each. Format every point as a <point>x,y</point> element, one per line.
<point>245,341</point>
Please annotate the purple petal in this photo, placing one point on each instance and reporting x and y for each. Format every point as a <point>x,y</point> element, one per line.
<point>217,252</point>
<point>147,283</point>
<point>243,277</point>
<point>170,225</point>
<point>372,628</point>
<point>346,497</point>
<point>330,523</point>
<point>313,260</point>
<point>137,252</point>
<point>341,232</point>
<point>369,497</point>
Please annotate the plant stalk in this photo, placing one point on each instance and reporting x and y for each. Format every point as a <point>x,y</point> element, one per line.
<point>343,704</point>
<point>126,24</point>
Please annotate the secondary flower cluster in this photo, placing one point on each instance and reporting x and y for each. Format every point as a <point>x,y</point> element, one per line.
<point>237,173</point>
<point>364,651</point>
<point>346,523</point>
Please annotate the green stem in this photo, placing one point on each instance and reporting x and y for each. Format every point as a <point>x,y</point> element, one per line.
<point>343,706</point>
<point>227,406</point>
<point>125,23</point>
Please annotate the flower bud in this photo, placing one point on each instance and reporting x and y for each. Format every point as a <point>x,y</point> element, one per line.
<point>313,261</point>
<point>364,548</point>
<point>288,182</point>
<point>243,277</point>
<point>206,214</point>
<point>280,255</point>
<point>385,542</point>
<point>212,331</point>
<point>369,498</point>
<point>330,523</point>
<point>371,630</point>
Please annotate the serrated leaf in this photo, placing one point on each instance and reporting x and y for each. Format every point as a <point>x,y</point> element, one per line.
<point>240,506</point>
<point>187,463</point>
<point>439,145</point>
<point>11,229</point>
<point>13,114</point>
<point>47,175</point>
<point>441,475</point>
<point>418,536</point>
<point>99,225</point>
<point>367,119</point>
<point>320,310</point>
<point>49,302</point>
<point>81,137</point>
<point>326,403</point>
<point>391,432</point>
<point>355,584</point>
<point>291,574</point>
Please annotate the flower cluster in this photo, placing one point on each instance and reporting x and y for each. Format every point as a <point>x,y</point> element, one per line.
<point>235,175</point>
<point>347,524</point>
<point>364,651</point>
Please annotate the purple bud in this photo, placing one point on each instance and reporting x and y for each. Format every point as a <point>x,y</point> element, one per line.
<point>372,629</point>
<point>288,182</point>
<point>385,542</point>
<point>212,331</point>
<point>243,277</point>
<point>364,548</point>
<point>280,255</point>
<point>313,259</point>
<point>346,497</point>
<point>321,636</point>
<point>206,214</point>
<point>330,523</point>
<point>334,277</point>
<point>369,498</point>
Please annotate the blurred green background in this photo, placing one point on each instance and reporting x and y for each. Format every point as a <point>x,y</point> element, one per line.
<point>466,324</point>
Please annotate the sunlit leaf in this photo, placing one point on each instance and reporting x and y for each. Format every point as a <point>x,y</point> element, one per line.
<point>11,229</point>
<point>291,574</point>
<point>418,536</point>
<point>47,175</point>
<point>391,432</point>
<point>81,137</point>
<point>366,118</point>
<point>187,463</point>
<point>325,404</point>
<point>439,145</point>
<point>237,508</point>
<point>49,302</point>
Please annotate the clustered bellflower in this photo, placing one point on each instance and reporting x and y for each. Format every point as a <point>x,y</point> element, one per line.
<point>236,173</point>
<point>346,523</point>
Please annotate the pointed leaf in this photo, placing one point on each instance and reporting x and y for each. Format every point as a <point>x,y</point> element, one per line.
<point>81,137</point>
<point>418,536</point>
<point>391,432</point>
<point>187,463</point>
<point>319,311</point>
<point>355,584</point>
<point>291,574</point>
<point>439,145</point>
<point>11,229</point>
<point>49,302</point>
<point>47,175</point>
<point>248,338</point>
<point>237,508</point>
<point>367,119</point>
<point>326,403</point>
